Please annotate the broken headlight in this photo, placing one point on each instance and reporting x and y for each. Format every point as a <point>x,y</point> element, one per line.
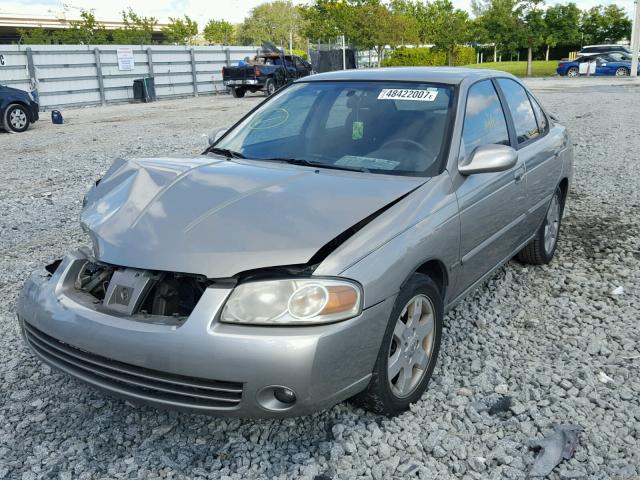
<point>306,301</point>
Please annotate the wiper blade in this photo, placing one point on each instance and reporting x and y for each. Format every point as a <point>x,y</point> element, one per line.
<point>226,152</point>
<point>309,163</point>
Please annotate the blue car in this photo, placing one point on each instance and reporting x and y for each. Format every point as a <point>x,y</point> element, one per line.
<point>616,64</point>
<point>18,109</point>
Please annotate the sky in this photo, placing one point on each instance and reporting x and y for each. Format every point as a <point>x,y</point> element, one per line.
<point>200,10</point>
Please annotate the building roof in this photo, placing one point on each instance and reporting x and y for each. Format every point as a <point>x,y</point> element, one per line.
<point>449,75</point>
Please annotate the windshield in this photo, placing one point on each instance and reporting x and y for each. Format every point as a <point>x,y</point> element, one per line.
<point>380,127</point>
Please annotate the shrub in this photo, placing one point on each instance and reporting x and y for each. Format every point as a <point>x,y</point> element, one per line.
<point>428,57</point>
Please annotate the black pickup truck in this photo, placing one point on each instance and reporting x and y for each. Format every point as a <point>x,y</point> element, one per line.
<point>266,72</point>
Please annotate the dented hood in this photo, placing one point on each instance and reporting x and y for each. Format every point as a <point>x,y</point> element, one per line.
<point>216,217</point>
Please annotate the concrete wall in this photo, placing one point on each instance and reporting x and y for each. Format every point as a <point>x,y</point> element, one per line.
<point>76,75</point>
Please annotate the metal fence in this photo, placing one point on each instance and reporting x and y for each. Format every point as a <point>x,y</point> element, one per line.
<point>76,75</point>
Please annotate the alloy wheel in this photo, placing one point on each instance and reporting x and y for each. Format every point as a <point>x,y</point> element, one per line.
<point>552,225</point>
<point>411,346</point>
<point>621,72</point>
<point>18,119</point>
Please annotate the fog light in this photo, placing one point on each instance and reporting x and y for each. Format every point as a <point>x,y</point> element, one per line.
<point>284,395</point>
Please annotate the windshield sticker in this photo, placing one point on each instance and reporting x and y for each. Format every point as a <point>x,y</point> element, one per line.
<point>428,95</point>
<point>357,131</point>
<point>367,162</point>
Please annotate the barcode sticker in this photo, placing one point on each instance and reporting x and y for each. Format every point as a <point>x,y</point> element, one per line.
<point>428,95</point>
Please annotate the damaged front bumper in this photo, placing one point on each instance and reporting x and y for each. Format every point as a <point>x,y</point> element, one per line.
<point>199,364</point>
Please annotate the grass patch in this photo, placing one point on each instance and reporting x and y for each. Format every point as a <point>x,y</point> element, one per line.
<point>541,68</point>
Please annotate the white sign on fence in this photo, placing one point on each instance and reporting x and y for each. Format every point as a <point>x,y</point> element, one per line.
<point>3,62</point>
<point>125,59</point>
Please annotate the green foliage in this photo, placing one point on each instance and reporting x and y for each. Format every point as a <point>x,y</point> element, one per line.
<point>219,31</point>
<point>86,31</point>
<point>35,36</point>
<point>272,22</point>
<point>137,30</point>
<point>562,24</point>
<point>541,68</point>
<point>428,57</point>
<point>499,22</point>
<point>179,31</point>
<point>605,24</point>
<point>447,27</point>
<point>300,53</point>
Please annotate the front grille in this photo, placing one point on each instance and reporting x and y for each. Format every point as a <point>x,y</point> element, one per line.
<point>133,381</point>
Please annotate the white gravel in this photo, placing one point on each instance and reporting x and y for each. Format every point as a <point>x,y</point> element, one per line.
<point>561,340</point>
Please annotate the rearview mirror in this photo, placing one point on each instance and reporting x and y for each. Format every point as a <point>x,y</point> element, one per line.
<point>215,134</point>
<point>489,158</point>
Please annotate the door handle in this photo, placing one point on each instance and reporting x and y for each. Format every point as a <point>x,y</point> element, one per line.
<point>518,173</point>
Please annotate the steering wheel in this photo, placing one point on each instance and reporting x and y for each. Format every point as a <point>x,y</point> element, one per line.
<point>405,141</point>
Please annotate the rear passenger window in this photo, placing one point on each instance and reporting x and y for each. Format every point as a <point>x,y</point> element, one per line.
<point>484,122</point>
<point>540,116</point>
<point>524,119</point>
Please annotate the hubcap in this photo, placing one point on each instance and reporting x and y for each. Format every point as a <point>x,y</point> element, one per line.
<point>621,72</point>
<point>552,225</point>
<point>411,346</point>
<point>18,119</point>
<point>572,73</point>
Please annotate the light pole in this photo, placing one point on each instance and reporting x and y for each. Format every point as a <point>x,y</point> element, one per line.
<point>635,40</point>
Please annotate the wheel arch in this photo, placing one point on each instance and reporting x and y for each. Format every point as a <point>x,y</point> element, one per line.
<point>437,271</point>
<point>10,103</point>
<point>564,187</point>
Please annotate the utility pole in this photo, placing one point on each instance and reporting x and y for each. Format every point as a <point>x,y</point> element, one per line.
<point>635,40</point>
<point>344,55</point>
<point>290,42</point>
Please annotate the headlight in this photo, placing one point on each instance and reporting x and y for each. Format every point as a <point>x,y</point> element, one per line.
<point>305,301</point>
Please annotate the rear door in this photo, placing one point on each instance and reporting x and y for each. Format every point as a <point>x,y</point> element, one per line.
<point>492,205</point>
<point>537,147</point>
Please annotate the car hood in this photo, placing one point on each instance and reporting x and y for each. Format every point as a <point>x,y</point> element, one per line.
<point>216,217</point>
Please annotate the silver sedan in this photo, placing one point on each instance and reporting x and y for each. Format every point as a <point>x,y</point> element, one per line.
<point>309,255</point>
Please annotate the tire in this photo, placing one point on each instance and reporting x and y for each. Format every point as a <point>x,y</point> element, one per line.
<point>269,87</point>
<point>540,251</point>
<point>384,395</point>
<point>622,72</point>
<point>573,72</point>
<point>238,92</point>
<point>16,118</point>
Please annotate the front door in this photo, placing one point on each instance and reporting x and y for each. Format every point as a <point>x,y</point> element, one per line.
<point>491,205</point>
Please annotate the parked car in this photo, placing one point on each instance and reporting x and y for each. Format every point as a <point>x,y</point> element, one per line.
<point>267,72</point>
<point>613,63</point>
<point>599,49</point>
<point>18,109</point>
<point>309,255</point>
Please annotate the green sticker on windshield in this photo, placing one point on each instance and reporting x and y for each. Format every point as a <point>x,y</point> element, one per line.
<point>357,131</point>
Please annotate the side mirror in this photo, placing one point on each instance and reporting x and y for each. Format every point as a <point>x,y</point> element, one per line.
<point>489,158</point>
<point>215,134</point>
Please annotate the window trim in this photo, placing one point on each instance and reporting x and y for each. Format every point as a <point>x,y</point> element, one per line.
<point>519,146</point>
<point>502,106</point>
<point>532,101</point>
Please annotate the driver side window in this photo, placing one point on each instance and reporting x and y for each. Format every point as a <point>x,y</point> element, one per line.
<point>484,120</point>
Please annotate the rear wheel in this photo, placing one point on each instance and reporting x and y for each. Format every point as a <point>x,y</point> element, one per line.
<point>269,87</point>
<point>409,349</point>
<point>573,72</point>
<point>16,118</point>
<point>238,92</point>
<point>622,72</point>
<point>542,248</point>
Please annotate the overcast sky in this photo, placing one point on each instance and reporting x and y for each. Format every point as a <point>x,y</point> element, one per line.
<point>200,10</point>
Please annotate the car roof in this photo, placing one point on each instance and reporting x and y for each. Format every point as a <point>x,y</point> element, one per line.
<point>447,75</point>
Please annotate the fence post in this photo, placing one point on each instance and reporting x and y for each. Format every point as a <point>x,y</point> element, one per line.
<point>194,72</point>
<point>150,61</point>
<point>227,54</point>
<point>31,69</point>
<point>96,53</point>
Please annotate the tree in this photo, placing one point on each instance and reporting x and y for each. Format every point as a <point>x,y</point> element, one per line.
<point>534,30</point>
<point>500,22</point>
<point>35,36</point>
<point>273,22</point>
<point>137,30</point>
<point>179,31</point>
<point>605,24</point>
<point>562,26</point>
<point>446,27</point>
<point>324,20</point>
<point>219,31</point>
<point>85,31</point>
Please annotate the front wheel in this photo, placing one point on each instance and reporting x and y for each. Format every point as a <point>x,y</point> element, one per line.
<point>542,248</point>
<point>16,118</point>
<point>622,72</point>
<point>409,349</point>
<point>573,72</point>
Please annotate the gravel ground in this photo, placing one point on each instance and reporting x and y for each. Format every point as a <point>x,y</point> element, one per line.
<point>561,340</point>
